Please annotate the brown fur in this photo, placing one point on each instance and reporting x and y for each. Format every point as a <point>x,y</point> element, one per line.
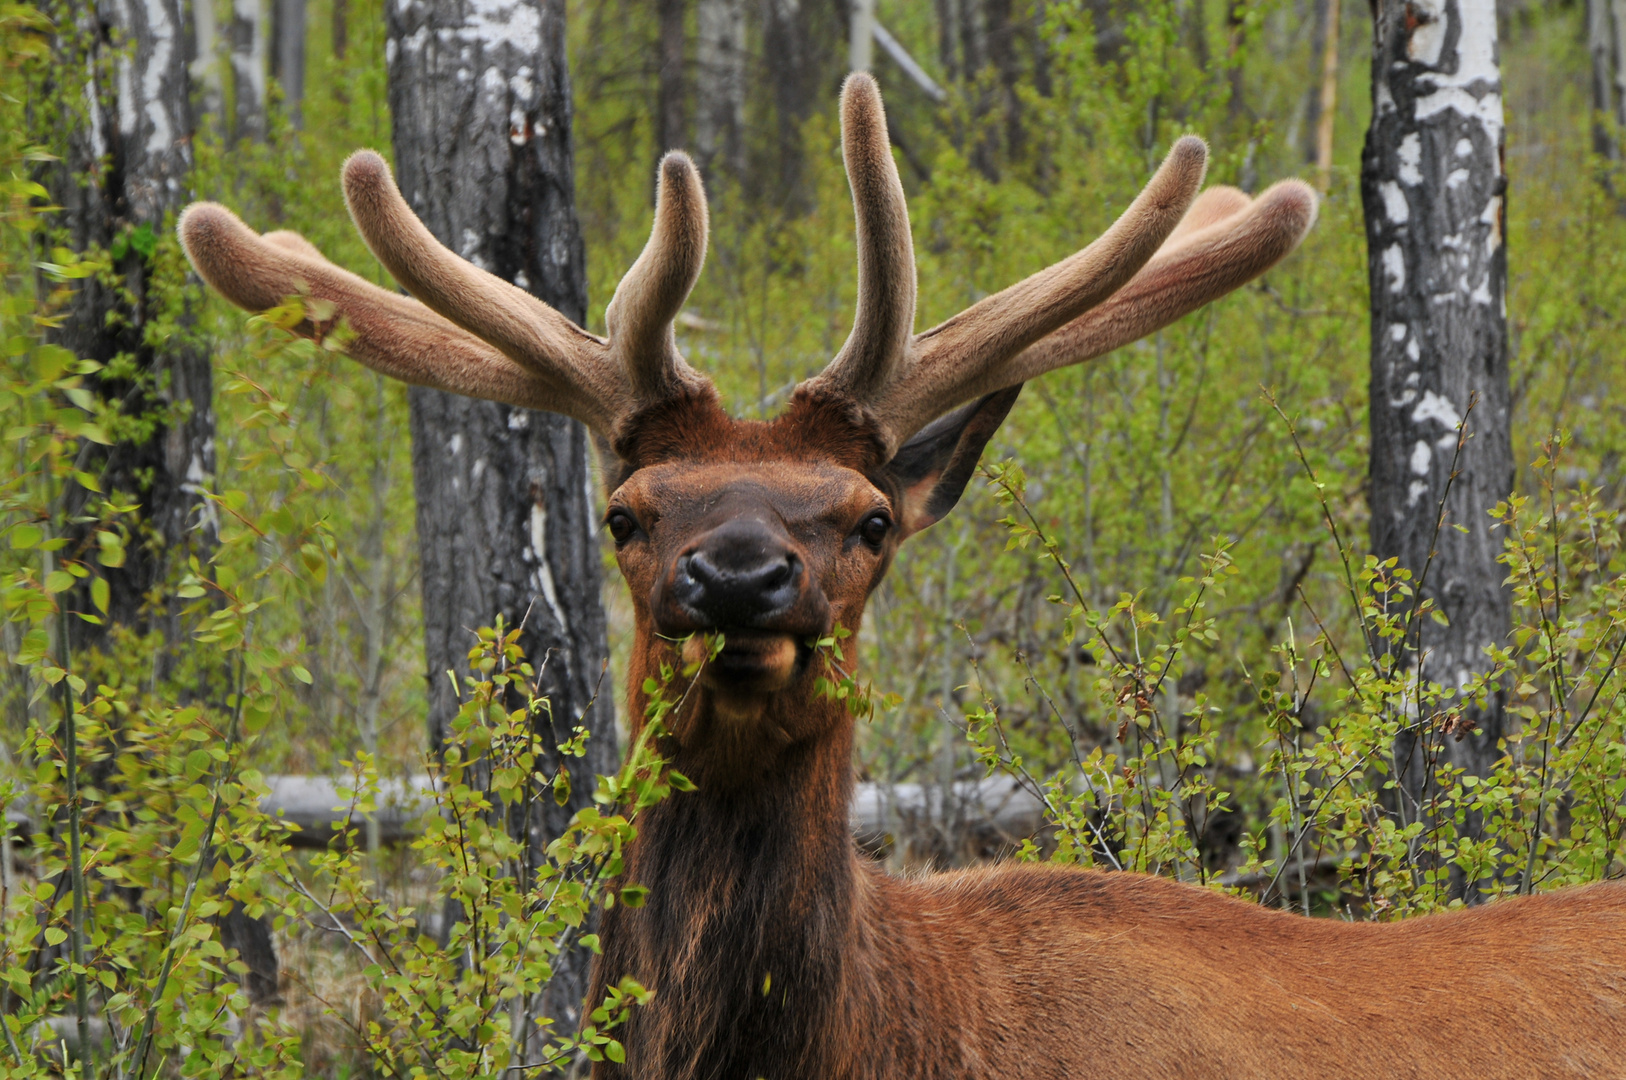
<point>772,948</point>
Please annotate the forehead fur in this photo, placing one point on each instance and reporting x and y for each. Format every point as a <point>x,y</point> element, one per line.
<point>817,426</point>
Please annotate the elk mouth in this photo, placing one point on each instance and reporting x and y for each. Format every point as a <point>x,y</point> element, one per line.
<point>750,661</point>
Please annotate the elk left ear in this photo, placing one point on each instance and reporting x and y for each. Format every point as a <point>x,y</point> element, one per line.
<point>931,470</point>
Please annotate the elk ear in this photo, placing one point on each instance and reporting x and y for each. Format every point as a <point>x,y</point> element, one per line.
<point>931,470</point>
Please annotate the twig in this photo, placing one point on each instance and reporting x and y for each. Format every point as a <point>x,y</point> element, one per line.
<point>205,845</point>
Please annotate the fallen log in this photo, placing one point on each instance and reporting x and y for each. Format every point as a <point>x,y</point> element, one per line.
<point>997,805</point>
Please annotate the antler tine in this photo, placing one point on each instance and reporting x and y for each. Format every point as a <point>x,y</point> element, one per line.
<point>652,292</point>
<point>1230,241</point>
<point>972,347</point>
<point>522,327</point>
<point>886,257</point>
<point>391,334</point>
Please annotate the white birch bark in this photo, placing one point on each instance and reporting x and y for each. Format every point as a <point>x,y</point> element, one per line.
<point>248,63</point>
<point>720,87</point>
<point>1434,195</point>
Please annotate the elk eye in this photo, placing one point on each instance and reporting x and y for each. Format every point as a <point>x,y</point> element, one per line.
<point>621,525</point>
<point>874,529</point>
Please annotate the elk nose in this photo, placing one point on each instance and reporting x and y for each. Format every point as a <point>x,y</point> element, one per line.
<point>738,575</point>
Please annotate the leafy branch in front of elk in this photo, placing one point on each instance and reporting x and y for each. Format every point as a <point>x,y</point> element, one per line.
<point>468,1001</point>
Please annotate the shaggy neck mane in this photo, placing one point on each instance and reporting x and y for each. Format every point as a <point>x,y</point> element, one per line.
<point>751,916</point>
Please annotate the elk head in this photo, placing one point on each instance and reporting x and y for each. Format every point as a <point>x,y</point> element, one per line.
<point>770,532</point>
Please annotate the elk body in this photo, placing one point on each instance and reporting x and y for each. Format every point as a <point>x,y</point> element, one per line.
<point>773,949</point>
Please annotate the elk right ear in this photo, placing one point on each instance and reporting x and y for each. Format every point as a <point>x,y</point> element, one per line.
<point>931,470</point>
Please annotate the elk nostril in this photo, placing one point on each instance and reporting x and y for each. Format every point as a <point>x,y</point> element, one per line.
<point>735,584</point>
<point>781,572</point>
<point>698,569</point>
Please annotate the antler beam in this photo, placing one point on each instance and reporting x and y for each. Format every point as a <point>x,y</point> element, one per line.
<point>390,333</point>
<point>1168,254</point>
<point>473,333</point>
<point>1224,241</point>
<point>886,256</point>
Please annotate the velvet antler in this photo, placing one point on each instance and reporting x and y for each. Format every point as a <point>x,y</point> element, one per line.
<point>1225,240</point>
<point>1165,256</point>
<point>473,333</point>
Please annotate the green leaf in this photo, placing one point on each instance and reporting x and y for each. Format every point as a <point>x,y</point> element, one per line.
<point>55,935</point>
<point>302,674</point>
<point>144,240</point>
<point>24,537</point>
<point>110,548</point>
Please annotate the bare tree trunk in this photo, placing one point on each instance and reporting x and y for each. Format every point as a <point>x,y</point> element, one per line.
<point>205,67</point>
<point>248,47</point>
<point>860,35</point>
<point>288,59</point>
<point>1002,54</point>
<point>1235,25</point>
<point>790,64</point>
<point>1606,19</point>
<point>480,100</point>
<point>341,27</point>
<point>1328,109</point>
<point>671,132</point>
<point>948,37</point>
<point>1617,17</point>
<point>720,88</point>
<point>128,171</point>
<point>1312,86</point>
<point>1434,195</point>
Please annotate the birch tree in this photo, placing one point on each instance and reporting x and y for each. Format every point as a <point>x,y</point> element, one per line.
<point>720,88</point>
<point>127,171</point>
<point>1434,196</point>
<point>479,97</point>
<point>1606,42</point>
<point>671,132</point>
<point>288,56</point>
<point>247,37</point>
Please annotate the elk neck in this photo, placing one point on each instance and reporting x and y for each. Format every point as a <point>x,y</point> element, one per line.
<point>749,929</point>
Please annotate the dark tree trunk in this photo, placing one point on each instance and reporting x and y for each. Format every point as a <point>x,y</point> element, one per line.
<point>1002,33</point>
<point>341,27</point>
<point>482,120</point>
<point>1435,200</point>
<point>1312,88</point>
<point>1606,42</point>
<point>671,131</point>
<point>128,171</point>
<point>288,56</point>
<point>790,64</point>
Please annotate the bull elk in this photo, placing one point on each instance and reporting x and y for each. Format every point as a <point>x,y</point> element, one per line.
<point>775,950</point>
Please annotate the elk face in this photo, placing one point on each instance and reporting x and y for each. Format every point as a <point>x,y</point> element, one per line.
<point>771,554</point>
<point>773,534</point>
<point>770,532</point>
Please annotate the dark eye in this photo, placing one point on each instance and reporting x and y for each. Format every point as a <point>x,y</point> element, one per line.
<point>621,525</point>
<point>874,529</point>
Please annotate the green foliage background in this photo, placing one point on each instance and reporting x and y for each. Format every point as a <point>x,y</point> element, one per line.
<point>1163,619</point>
